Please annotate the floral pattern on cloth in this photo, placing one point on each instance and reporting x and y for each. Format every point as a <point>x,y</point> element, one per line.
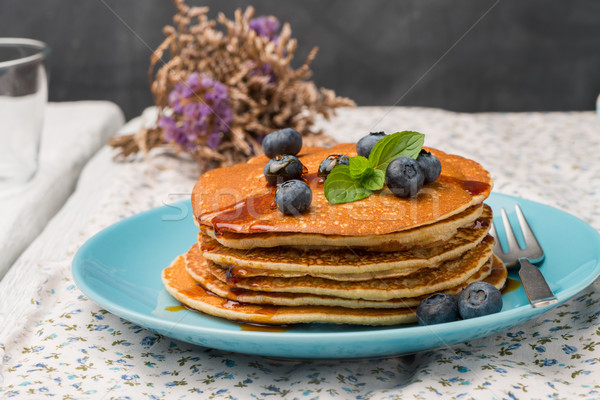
<point>64,346</point>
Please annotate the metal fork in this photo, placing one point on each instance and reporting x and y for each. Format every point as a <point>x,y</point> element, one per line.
<point>537,289</point>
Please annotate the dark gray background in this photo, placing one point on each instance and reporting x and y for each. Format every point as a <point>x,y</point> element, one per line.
<point>462,55</point>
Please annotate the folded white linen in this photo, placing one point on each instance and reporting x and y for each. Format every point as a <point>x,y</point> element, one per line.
<point>72,133</point>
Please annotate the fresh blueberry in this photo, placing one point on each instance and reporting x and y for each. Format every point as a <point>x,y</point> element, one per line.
<point>404,177</point>
<point>366,143</point>
<point>284,141</point>
<point>479,298</point>
<point>283,168</point>
<point>437,309</point>
<point>330,162</point>
<point>430,165</point>
<point>293,197</point>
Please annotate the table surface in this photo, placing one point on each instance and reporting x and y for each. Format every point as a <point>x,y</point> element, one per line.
<point>54,341</point>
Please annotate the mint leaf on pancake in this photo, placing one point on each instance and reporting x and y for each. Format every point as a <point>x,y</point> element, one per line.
<point>340,187</point>
<point>358,180</point>
<point>359,167</point>
<point>374,179</point>
<point>399,144</point>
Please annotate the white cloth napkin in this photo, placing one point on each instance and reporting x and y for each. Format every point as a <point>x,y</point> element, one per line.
<point>72,133</point>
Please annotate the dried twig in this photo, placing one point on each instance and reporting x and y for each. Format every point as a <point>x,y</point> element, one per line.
<point>265,93</point>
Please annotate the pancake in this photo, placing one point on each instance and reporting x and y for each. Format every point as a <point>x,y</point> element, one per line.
<point>234,272</point>
<point>426,280</point>
<point>237,199</point>
<point>493,272</point>
<point>185,289</point>
<point>424,236</point>
<point>345,263</point>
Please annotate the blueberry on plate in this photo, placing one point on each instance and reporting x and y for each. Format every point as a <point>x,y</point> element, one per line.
<point>404,177</point>
<point>430,165</point>
<point>437,309</point>
<point>366,143</point>
<point>284,141</point>
<point>330,162</point>
<point>283,168</point>
<point>293,197</point>
<point>479,298</point>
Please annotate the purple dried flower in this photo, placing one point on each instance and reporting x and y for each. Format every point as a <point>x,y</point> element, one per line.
<point>200,107</point>
<point>265,26</point>
<point>174,101</point>
<point>213,140</point>
<point>266,70</point>
<point>206,82</point>
<point>190,87</point>
<point>193,81</point>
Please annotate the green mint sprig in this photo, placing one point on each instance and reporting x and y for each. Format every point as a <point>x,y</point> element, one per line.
<point>347,183</point>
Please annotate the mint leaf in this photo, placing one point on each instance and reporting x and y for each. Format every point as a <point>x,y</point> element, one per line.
<point>399,144</point>
<point>358,167</point>
<point>358,180</point>
<point>373,180</point>
<point>340,187</point>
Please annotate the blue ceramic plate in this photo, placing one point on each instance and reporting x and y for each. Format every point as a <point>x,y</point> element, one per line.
<point>120,269</point>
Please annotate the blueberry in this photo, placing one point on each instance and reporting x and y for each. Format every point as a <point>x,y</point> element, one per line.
<point>284,141</point>
<point>479,298</point>
<point>404,177</point>
<point>330,162</point>
<point>366,143</point>
<point>293,197</point>
<point>437,309</point>
<point>283,168</point>
<point>430,165</point>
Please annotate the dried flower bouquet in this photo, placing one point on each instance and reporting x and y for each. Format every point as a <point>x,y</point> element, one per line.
<point>227,84</point>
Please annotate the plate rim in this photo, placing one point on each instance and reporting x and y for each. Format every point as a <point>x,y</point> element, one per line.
<point>153,322</point>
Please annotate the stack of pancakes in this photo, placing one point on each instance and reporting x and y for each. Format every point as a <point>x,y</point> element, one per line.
<point>367,262</point>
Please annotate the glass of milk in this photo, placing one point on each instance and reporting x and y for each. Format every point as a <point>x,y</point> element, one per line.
<point>23,97</point>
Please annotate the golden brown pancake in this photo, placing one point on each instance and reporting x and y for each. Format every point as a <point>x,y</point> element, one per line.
<point>426,280</point>
<point>345,263</point>
<point>237,199</point>
<point>185,289</point>
<point>493,272</point>
<point>424,236</point>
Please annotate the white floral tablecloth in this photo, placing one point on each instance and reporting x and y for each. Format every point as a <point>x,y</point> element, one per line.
<point>55,343</point>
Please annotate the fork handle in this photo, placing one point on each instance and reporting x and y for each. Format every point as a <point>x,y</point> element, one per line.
<point>537,289</point>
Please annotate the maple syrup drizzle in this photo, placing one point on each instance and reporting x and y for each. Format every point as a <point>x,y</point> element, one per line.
<point>180,307</point>
<point>244,326</point>
<point>231,278</point>
<point>266,311</point>
<point>510,285</point>
<point>228,303</point>
<point>254,327</point>
<point>238,291</point>
<point>250,211</point>
<point>240,272</point>
<point>474,188</point>
<point>313,180</point>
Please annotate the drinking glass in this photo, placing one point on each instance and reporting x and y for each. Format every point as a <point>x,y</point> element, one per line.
<point>23,97</point>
